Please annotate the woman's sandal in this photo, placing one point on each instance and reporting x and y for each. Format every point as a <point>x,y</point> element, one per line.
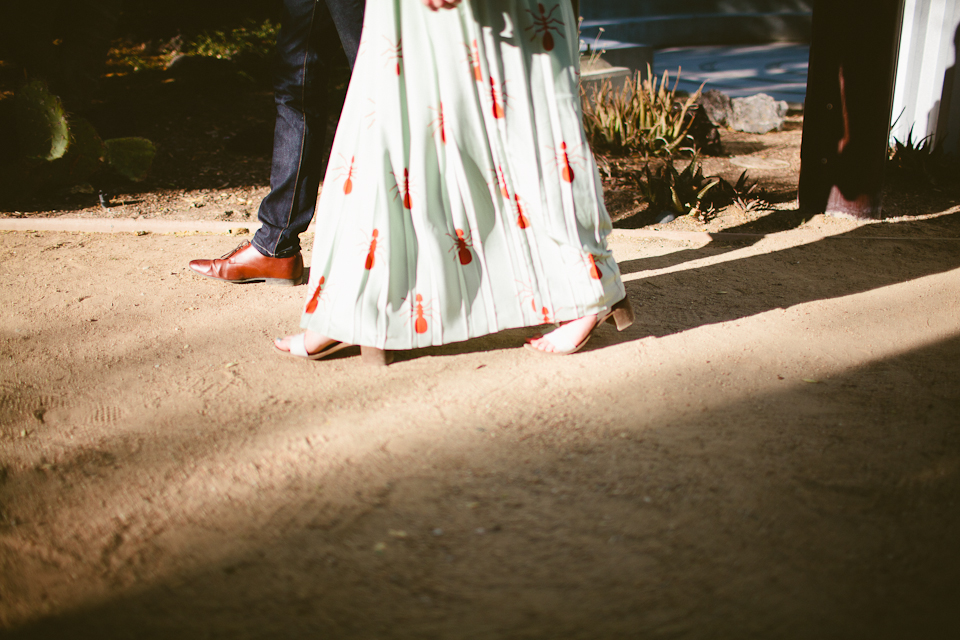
<point>619,315</point>
<point>299,350</point>
<point>370,355</point>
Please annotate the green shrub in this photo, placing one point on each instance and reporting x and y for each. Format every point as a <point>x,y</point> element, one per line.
<point>645,116</point>
<point>253,39</point>
<point>130,157</point>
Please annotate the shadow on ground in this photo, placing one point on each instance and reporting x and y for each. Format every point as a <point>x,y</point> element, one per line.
<point>826,528</point>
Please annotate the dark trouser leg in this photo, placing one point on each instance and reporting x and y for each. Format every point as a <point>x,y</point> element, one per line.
<point>846,116</point>
<point>305,46</point>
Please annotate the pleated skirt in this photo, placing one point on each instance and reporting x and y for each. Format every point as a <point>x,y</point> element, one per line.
<point>461,197</point>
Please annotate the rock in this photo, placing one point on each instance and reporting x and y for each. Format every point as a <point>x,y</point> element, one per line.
<point>705,134</point>
<point>717,106</point>
<point>757,114</point>
<point>665,217</point>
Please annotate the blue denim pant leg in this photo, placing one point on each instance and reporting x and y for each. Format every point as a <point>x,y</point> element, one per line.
<point>306,44</point>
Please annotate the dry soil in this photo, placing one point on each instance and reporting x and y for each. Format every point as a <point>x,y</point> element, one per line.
<point>771,451</point>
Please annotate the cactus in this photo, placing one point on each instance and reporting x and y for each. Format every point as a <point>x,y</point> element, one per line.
<point>130,157</point>
<point>42,130</point>
<point>42,148</point>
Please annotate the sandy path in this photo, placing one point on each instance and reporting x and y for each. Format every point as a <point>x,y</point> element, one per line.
<point>772,451</point>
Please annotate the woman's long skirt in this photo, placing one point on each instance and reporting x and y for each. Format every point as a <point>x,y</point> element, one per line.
<point>461,197</point>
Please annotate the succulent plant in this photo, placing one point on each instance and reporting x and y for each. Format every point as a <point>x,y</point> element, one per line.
<point>42,147</point>
<point>130,157</point>
<point>42,130</point>
<point>680,192</point>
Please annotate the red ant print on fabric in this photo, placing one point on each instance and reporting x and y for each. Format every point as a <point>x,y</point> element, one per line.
<point>566,160</point>
<point>473,59</point>
<point>394,52</point>
<point>498,111</point>
<point>522,221</point>
<point>544,23</point>
<point>372,251</point>
<point>502,181</point>
<point>593,266</point>
<point>462,245</point>
<point>419,311</point>
<point>403,189</point>
<point>438,123</point>
<point>315,298</point>
<point>346,171</point>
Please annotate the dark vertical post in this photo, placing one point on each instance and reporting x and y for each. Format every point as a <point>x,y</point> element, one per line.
<point>846,118</point>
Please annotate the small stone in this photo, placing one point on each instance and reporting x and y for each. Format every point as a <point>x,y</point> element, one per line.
<point>380,547</point>
<point>438,531</point>
<point>665,217</point>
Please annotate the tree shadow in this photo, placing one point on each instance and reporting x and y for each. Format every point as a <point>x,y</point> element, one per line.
<point>789,527</point>
<point>828,268</point>
<point>729,239</point>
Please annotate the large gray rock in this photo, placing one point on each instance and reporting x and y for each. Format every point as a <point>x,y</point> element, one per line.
<point>717,105</point>
<point>757,114</point>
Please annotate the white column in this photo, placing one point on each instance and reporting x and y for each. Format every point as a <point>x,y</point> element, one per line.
<point>928,54</point>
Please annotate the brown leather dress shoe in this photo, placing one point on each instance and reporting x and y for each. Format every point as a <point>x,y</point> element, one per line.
<point>247,264</point>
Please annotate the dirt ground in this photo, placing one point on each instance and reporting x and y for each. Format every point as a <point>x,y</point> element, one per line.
<point>771,451</point>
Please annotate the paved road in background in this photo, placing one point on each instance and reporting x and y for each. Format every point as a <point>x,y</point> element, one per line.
<point>778,69</point>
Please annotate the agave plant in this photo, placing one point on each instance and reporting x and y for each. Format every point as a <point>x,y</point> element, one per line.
<point>644,116</point>
<point>680,192</point>
<point>921,162</point>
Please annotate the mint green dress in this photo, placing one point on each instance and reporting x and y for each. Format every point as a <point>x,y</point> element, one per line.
<point>461,197</point>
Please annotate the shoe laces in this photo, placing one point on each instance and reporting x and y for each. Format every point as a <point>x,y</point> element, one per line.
<point>240,246</point>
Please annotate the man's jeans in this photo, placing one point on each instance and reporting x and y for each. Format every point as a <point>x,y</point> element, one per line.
<point>305,48</point>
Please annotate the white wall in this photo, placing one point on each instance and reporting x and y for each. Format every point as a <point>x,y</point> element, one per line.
<point>928,49</point>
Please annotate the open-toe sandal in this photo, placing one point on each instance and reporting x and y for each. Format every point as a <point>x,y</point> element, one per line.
<point>620,315</point>
<point>299,350</point>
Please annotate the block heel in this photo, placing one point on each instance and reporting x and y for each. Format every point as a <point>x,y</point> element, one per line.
<point>376,357</point>
<point>621,315</point>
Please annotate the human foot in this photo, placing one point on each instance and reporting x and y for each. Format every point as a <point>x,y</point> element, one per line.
<point>569,338</point>
<point>309,345</point>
